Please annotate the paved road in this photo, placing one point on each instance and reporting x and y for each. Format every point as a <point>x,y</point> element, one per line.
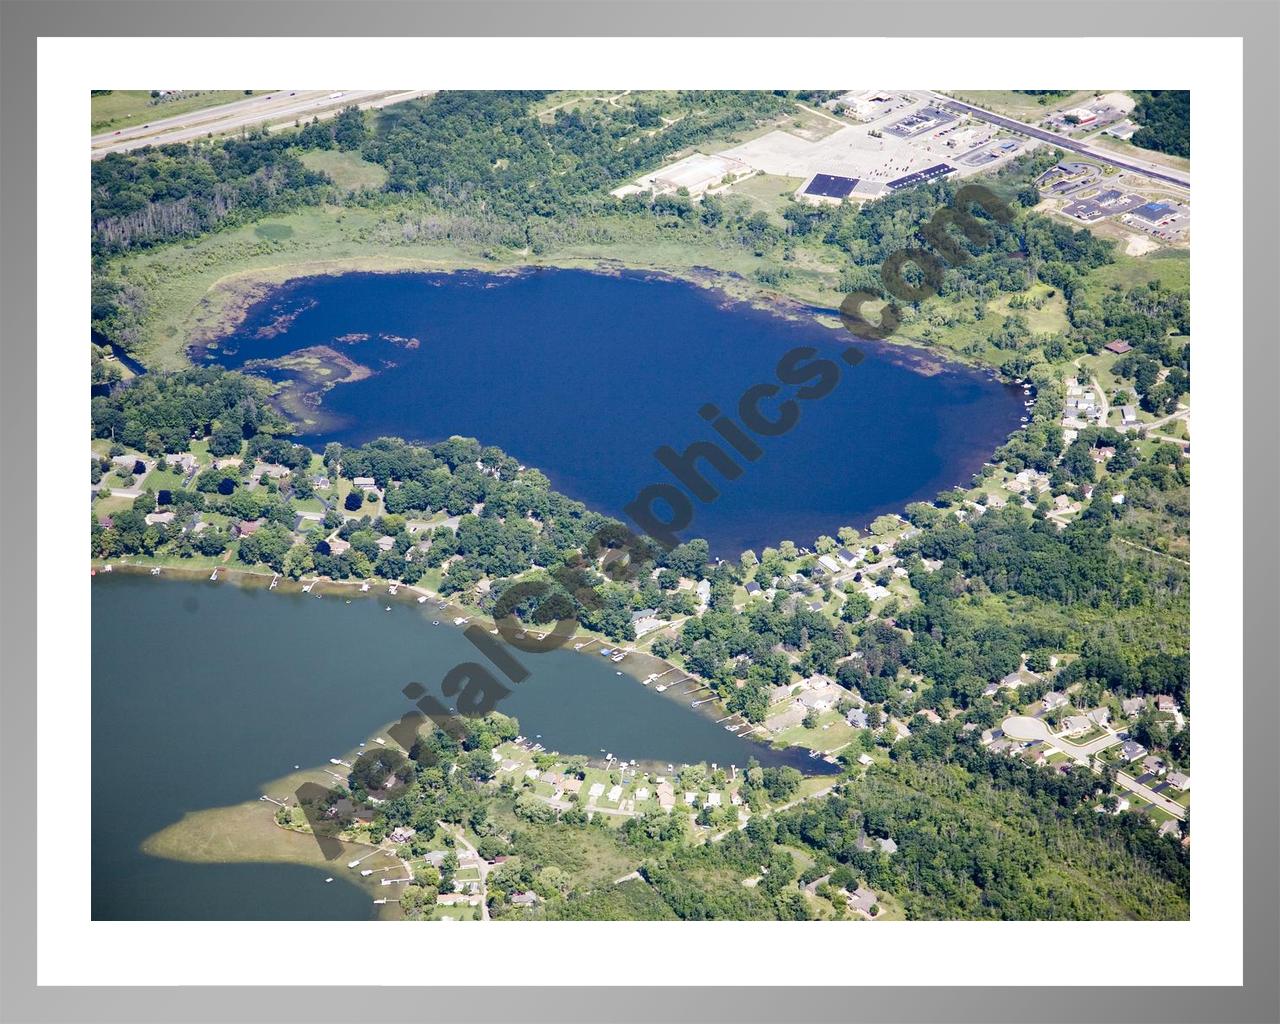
<point>1165,174</point>
<point>277,109</point>
<point>1021,727</point>
<point>1025,728</point>
<point>1151,796</point>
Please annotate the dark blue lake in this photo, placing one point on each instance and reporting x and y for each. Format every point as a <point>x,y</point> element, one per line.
<point>584,375</point>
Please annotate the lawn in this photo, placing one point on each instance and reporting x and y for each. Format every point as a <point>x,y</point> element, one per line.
<point>128,108</point>
<point>163,480</point>
<point>837,733</point>
<point>110,506</point>
<point>457,912</point>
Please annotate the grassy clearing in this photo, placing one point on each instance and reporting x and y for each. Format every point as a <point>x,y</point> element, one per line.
<point>348,170</point>
<point>811,125</point>
<point>767,192</point>
<point>1022,107</point>
<point>1128,149</point>
<point>1171,267</point>
<point>128,108</point>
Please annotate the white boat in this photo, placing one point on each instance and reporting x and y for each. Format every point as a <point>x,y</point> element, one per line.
<point>460,621</point>
<point>422,599</point>
<point>327,880</point>
<point>364,587</point>
<point>367,872</point>
<point>155,571</point>
<point>662,688</point>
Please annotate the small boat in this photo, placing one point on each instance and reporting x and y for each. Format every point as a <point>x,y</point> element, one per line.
<point>353,863</point>
<point>367,872</point>
<point>460,621</point>
<point>662,688</point>
<point>606,652</point>
<point>435,622</point>
<point>329,879</point>
<point>334,760</point>
<point>106,568</point>
<point>155,571</point>
<point>364,587</point>
<point>422,599</point>
<point>617,673</point>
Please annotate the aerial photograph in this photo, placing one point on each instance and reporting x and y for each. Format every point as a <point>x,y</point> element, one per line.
<point>612,504</point>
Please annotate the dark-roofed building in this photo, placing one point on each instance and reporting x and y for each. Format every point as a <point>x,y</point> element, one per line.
<point>921,177</point>
<point>830,186</point>
<point>1152,212</point>
<point>1118,346</point>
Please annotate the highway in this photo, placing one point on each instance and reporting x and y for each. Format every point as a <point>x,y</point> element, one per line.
<point>1165,174</point>
<point>277,109</point>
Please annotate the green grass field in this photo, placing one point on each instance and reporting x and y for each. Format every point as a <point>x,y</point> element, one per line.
<point>1022,107</point>
<point>767,192</point>
<point>128,108</point>
<point>348,170</point>
<point>1171,267</point>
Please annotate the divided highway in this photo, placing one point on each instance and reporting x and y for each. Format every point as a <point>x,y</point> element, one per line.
<point>1165,174</point>
<point>281,107</point>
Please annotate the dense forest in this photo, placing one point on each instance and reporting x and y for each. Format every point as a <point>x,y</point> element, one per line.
<point>181,190</point>
<point>1165,119</point>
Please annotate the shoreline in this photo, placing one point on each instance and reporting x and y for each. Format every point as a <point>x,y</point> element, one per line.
<point>711,708</point>
<point>225,304</point>
<point>241,290</point>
